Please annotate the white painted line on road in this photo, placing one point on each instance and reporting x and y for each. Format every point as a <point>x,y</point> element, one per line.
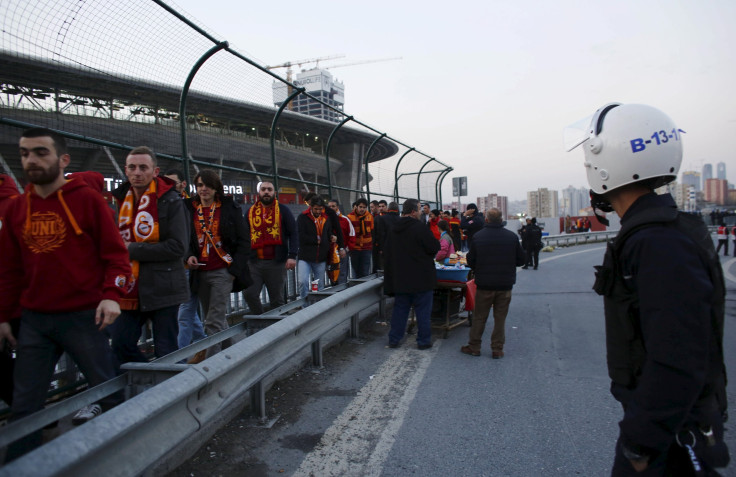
<point>549,259</point>
<point>726,272</point>
<point>360,439</point>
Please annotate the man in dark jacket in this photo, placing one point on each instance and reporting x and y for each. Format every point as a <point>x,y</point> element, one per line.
<point>218,250</point>
<point>315,237</point>
<point>664,300</point>
<point>471,222</point>
<point>533,244</point>
<point>410,274</point>
<point>154,227</point>
<point>494,255</point>
<point>273,247</point>
<point>384,224</point>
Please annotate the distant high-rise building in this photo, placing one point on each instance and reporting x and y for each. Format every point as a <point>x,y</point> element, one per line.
<point>716,191</point>
<point>707,173</point>
<point>721,170</point>
<point>574,200</point>
<point>500,202</point>
<point>321,85</point>
<point>691,178</point>
<point>542,203</point>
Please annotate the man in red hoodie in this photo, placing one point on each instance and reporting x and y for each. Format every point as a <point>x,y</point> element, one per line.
<point>66,266</point>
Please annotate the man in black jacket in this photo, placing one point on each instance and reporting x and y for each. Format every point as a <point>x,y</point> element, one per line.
<point>410,274</point>
<point>533,235</point>
<point>384,224</point>
<point>316,234</point>
<point>471,222</point>
<point>664,300</point>
<point>494,255</point>
<point>153,224</point>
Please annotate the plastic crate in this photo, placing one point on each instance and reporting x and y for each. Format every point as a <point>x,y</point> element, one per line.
<point>453,275</point>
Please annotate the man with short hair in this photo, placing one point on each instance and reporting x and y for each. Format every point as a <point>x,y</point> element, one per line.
<point>384,224</point>
<point>424,216</point>
<point>410,275</point>
<point>373,208</point>
<point>154,227</point>
<point>348,233</point>
<point>315,237</point>
<point>66,267</point>
<point>471,222</point>
<point>177,176</point>
<point>664,300</point>
<point>382,207</point>
<point>361,254</point>
<point>274,245</point>
<point>494,255</point>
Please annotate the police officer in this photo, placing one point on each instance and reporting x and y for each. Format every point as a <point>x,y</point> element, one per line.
<point>664,296</point>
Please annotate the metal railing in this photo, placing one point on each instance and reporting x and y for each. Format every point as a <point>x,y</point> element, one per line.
<point>172,401</point>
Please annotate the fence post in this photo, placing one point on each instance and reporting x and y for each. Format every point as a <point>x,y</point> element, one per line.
<point>295,93</point>
<point>327,152</point>
<point>183,103</point>
<point>396,174</point>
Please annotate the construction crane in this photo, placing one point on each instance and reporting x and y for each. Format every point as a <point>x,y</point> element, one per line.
<point>299,64</point>
<point>364,62</point>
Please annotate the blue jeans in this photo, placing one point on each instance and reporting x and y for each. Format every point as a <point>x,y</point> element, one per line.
<point>304,269</point>
<point>190,324</point>
<point>361,262</point>
<point>42,339</point>
<point>422,302</point>
<point>127,329</point>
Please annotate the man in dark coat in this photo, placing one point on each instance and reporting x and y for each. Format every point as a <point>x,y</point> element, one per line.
<point>494,255</point>
<point>410,274</point>
<point>533,244</point>
<point>384,224</point>
<point>471,222</point>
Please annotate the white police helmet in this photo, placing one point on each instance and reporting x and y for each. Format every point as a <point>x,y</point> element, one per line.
<point>627,143</point>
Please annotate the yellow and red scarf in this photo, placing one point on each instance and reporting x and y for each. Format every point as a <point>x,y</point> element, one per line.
<point>138,223</point>
<point>208,230</point>
<point>265,225</point>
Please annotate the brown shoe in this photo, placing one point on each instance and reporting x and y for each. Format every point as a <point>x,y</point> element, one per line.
<point>467,350</point>
<point>198,358</point>
<point>497,354</point>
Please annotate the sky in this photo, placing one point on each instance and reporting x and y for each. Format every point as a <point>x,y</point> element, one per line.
<point>488,86</point>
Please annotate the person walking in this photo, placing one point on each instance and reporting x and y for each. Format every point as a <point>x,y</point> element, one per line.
<point>315,236</point>
<point>664,299</point>
<point>533,244</point>
<point>218,252</point>
<point>274,244</point>
<point>410,274</point>
<point>154,227</point>
<point>494,255</point>
<point>65,269</point>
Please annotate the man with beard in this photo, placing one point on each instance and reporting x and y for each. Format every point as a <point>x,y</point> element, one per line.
<point>66,267</point>
<point>273,247</point>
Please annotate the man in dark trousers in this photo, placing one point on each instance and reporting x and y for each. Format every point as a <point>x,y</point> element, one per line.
<point>533,235</point>
<point>664,298</point>
<point>494,255</point>
<point>410,275</point>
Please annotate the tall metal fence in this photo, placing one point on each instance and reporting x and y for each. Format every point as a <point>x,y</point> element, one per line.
<point>113,75</point>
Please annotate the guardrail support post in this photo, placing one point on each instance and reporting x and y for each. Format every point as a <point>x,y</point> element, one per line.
<point>258,400</point>
<point>355,326</point>
<point>317,354</point>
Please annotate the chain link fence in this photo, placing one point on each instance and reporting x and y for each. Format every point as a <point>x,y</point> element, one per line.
<point>113,75</point>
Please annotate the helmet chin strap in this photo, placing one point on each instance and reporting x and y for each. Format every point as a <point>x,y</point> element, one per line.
<point>600,207</point>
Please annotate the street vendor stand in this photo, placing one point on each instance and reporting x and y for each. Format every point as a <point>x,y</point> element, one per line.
<point>450,294</point>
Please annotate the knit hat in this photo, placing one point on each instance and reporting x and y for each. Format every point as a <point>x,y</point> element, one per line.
<point>471,206</point>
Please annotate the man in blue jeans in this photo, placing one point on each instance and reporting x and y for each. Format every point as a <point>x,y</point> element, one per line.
<point>410,275</point>
<point>315,236</point>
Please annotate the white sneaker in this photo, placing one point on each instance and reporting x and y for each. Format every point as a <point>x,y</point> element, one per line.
<point>87,413</point>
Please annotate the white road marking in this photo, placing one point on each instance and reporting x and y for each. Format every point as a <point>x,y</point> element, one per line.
<point>360,439</point>
<point>549,259</point>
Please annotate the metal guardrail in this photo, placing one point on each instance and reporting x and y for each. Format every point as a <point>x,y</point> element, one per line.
<point>590,237</point>
<point>180,399</point>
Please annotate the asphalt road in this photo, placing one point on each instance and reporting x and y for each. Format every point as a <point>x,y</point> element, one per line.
<point>544,409</point>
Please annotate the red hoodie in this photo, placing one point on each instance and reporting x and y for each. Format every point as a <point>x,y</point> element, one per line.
<point>62,253</point>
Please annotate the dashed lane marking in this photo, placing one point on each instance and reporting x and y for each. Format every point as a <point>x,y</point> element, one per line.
<point>360,439</point>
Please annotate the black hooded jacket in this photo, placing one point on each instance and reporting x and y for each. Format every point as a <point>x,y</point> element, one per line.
<point>409,258</point>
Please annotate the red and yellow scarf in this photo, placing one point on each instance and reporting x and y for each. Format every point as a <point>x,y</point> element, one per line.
<point>208,230</point>
<point>265,225</point>
<point>138,222</point>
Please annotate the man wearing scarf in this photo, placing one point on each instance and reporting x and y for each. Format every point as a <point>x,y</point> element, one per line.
<point>273,247</point>
<point>360,254</point>
<point>315,236</point>
<point>153,224</point>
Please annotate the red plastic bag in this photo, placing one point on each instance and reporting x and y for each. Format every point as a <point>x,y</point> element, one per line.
<point>470,295</point>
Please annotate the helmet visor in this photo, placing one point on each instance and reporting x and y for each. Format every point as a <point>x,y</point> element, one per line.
<point>577,133</point>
